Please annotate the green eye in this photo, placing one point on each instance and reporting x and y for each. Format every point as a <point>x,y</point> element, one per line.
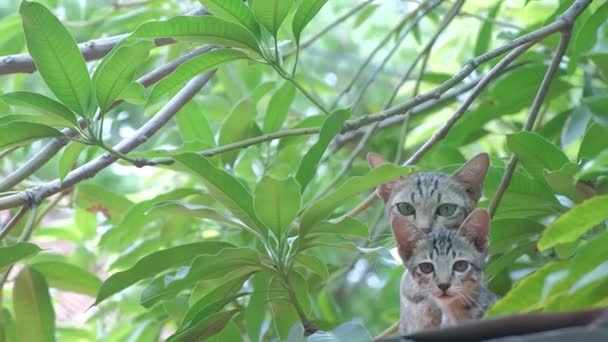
<point>446,209</point>
<point>426,267</point>
<point>405,209</point>
<point>460,266</point>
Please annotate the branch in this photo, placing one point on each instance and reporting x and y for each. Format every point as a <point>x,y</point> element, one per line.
<point>91,50</point>
<point>536,105</point>
<point>56,144</point>
<point>91,168</point>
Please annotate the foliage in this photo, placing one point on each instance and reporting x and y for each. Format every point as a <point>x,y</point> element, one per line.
<point>243,216</point>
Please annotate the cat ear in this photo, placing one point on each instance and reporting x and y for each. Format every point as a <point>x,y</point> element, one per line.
<point>407,236</point>
<point>475,229</point>
<point>383,191</point>
<point>473,173</point>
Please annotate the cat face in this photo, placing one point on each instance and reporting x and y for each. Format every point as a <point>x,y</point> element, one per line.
<point>445,264</point>
<point>434,200</point>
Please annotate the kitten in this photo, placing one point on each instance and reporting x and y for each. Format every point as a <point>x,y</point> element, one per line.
<point>433,200</point>
<point>446,283</point>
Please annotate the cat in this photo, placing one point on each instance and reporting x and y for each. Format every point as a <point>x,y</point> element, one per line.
<point>445,283</point>
<point>433,200</point>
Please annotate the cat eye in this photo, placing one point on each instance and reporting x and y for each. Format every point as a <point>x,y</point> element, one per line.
<point>446,209</point>
<point>460,266</point>
<point>405,209</point>
<point>426,267</point>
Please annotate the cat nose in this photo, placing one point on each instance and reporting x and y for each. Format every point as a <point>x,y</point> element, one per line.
<point>444,286</point>
<point>426,230</point>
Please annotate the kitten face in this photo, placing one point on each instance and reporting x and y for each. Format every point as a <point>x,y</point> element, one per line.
<point>433,200</point>
<point>446,265</point>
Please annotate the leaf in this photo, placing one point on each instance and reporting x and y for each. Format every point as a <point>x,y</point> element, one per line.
<point>278,107</point>
<point>193,67</point>
<point>57,57</point>
<point>594,141</point>
<point>33,307</point>
<point>363,15</point>
<point>600,59</point>
<point>563,181</point>
<point>508,258</point>
<point>207,327</point>
<point>95,198</point>
<point>307,10</point>
<point>225,188</point>
<point>346,226</point>
<point>283,313</point>
<point>527,293</point>
<point>591,168</point>
<point>157,262</point>
<point>587,36</point>
<point>485,32</point>
<point>193,125</point>
<point>351,331</point>
<point>255,313</point>
<point>68,158</point>
<point>235,11</point>
<point>20,133</point>
<point>134,93</point>
<point>8,331</point>
<point>271,13</point>
<point>235,262</point>
<point>117,70</point>
<point>536,153</point>
<point>42,104</point>
<point>597,104</point>
<point>204,29</point>
<point>68,277</point>
<point>277,203</point>
<point>331,127</point>
<point>508,231</point>
<point>319,210</point>
<point>313,264</point>
<point>32,118</point>
<point>19,251</point>
<point>193,210</point>
<point>574,223</point>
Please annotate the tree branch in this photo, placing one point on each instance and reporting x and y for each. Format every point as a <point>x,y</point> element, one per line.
<point>536,105</point>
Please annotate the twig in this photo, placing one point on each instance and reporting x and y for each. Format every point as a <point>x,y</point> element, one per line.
<point>367,84</point>
<point>13,222</point>
<point>139,137</point>
<point>297,84</point>
<point>536,105</point>
<point>369,58</point>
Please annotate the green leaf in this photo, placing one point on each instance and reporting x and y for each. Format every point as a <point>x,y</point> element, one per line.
<point>307,10</point>
<point>485,32</point>
<point>591,168</point>
<point>134,93</point>
<point>587,36</point>
<point>597,104</point>
<point>57,57</point>
<point>527,293</point>
<point>362,16</point>
<point>594,141</point>
<point>319,210</point>
<point>576,222</point>
<point>193,125</point>
<point>68,277</point>
<point>277,203</point>
<point>157,262</point>
<point>19,251</point>
<point>506,232</point>
<point>600,59</point>
<point>508,258</point>
<point>271,13</point>
<point>20,133</point>
<point>204,29</point>
<point>68,158</point>
<point>563,181</point>
<point>193,67</point>
<point>193,210</point>
<point>207,327</point>
<point>56,111</point>
<point>235,11</point>
<point>225,188</point>
<point>346,226</point>
<point>33,307</point>
<point>95,198</point>
<point>117,70</point>
<point>32,118</point>
<point>283,312</point>
<point>313,264</point>
<point>233,261</point>
<point>309,164</point>
<point>8,330</point>
<point>255,313</point>
<point>351,331</point>
<point>536,153</point>
<point>278,107</point>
